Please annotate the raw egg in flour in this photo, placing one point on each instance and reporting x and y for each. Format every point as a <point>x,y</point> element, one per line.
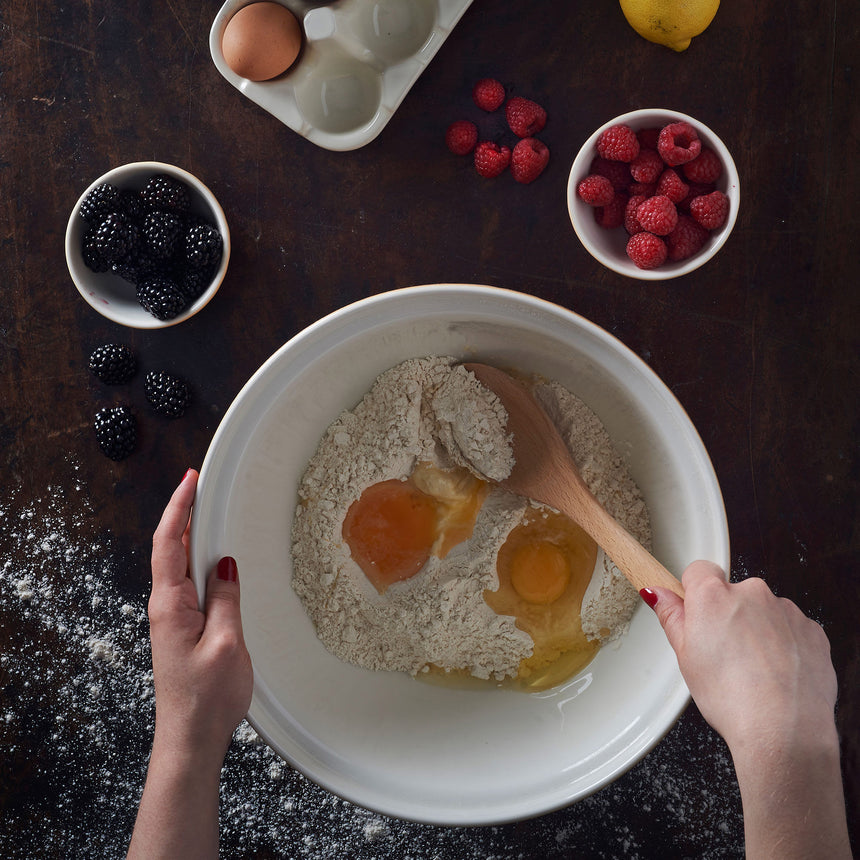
<point>261,41</point>
<point>544,569</point>
<point>395,526</point>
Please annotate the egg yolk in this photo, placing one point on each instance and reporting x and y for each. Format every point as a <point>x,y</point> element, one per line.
<point>544,568</point>
<point>394,527</point>
<point>539,572</point>
<point>390,531</point>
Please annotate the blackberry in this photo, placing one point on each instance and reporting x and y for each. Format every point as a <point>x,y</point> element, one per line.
<point>92,256</point>
<point>202,246</point>
<point>137,266</point>
<point>194,282</point>
<point>99,202</point>
<point>129,203</point>
<point>161,231</point>
<point>165,192</point>
<point>113,363</point>
<point>115,236</point>
<point>167,394</point>
<point>160,295</point>
<point>116,431</point>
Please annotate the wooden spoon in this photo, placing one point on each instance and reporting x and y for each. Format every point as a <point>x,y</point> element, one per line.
<point>544,471</point>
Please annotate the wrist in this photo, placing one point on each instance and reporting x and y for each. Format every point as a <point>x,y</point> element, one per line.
<point>180,750</point>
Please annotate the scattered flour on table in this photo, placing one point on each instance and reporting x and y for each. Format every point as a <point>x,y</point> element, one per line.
<point>77,716</point>
<point>432,410</point>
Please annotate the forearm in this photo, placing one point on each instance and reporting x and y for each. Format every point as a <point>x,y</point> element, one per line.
<point>178,814</point>
<point>793,800</point>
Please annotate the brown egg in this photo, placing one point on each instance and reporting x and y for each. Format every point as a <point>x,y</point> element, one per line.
<point>261,41</point>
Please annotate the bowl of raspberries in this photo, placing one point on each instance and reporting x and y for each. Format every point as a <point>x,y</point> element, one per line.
<point>653,194</point>
<point>147,245</point>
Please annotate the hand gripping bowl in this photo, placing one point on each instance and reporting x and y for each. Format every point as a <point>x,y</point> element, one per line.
<point>386,741</point>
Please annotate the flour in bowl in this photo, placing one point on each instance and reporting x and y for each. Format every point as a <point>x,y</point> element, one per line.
<point>425,419</point>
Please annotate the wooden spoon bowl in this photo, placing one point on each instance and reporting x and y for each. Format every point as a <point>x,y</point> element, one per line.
<point>545,471</point>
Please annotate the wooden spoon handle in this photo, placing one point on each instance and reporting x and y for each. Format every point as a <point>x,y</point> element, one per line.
<point>571,496</point>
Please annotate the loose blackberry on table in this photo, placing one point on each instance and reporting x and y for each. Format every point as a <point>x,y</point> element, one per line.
<point>113,363</point>
<point>167,394</point>
<point>116,431</point>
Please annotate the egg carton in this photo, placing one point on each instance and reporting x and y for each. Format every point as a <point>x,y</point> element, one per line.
<point>358,61</point>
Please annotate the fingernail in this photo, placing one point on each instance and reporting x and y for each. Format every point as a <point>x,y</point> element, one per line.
<point>227,569</point>
<point>649,596</point>
<point>187,473</point>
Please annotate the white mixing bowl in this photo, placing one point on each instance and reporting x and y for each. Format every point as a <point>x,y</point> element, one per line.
<point>384,740</point>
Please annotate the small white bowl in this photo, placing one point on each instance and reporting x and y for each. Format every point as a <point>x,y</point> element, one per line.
<point>608,245</point>
<point>445,755</point>
<point>108,293</point>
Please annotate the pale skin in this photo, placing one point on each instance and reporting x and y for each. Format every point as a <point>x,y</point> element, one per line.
<point>760,673</point>
<point>203,681</point>
<point>758,669</point>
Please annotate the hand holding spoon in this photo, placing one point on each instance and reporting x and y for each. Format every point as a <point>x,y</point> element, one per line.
<point>544,471</point>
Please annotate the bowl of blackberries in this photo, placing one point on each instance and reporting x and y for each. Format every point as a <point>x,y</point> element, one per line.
<point>147,245</point>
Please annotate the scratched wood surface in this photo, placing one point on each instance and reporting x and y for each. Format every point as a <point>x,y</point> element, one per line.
<point>760,346</point>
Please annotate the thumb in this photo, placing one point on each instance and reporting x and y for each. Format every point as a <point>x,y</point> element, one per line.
<point>222,597</point>
<point>669,608</point>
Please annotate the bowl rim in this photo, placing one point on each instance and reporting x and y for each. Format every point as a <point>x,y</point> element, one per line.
<point>577,209</point>
<point>78,271</point>
<point>670,708</point>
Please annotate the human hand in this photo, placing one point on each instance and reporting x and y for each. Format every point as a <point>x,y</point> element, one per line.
<point>757,668</point>
<point>202,670</point>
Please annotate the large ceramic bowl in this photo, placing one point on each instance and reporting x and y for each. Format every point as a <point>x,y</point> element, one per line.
<point>384,740</point>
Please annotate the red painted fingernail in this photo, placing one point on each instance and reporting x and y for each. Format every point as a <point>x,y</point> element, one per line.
<point>227,569</point>
<point>187,473</point>
<point>649,596</point>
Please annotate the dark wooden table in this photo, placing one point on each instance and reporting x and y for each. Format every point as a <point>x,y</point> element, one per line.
<point>760,346</point>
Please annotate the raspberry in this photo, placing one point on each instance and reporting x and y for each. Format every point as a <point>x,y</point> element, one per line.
<point>697,189</point>
<point>705,167</point>
<point>647,138</point>
<point>615,171</point>
<point>710,210</point>
<point>631,222</point>
<point>686,239</point>
<point>595,190</point>
<point>491,159</point>
<point>612,215</point>
<point>672,186</point>
<point>525,117</point>
<point>657,215</point>
<point>528,160</point>
<point>647,166</point>
<point>461,137</point>
<point>678,143</point>
<point>646,250</point>
<point>488,94</point>
<point>646,189</point>
<point>618,143</point>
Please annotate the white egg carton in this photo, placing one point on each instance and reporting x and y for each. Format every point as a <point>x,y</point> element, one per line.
<point>359,58</point>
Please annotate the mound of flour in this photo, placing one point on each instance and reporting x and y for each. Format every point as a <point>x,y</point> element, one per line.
<point>433,410</point>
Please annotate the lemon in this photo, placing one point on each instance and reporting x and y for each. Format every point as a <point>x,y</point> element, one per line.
<point>669,22</point>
